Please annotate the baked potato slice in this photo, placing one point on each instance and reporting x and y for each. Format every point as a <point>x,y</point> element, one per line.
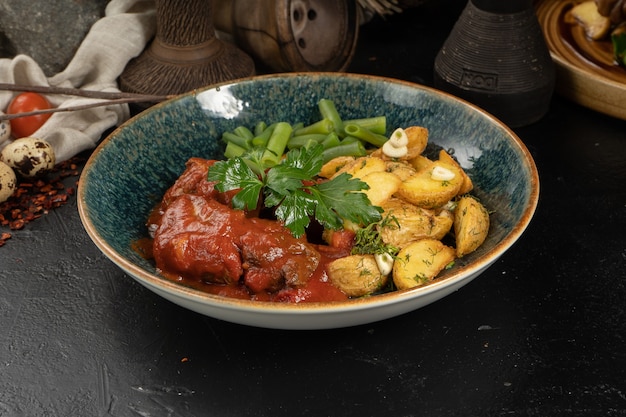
<point>471,225</point>
<point>382,186</point>
<point>595,25</point>
<point>400,169</point>
<point>420,262</point>
<point>362,166</point>
<point>418,139</point>
<point>428,189</point>
<point>420,162</point>
<point>330,168</point>
<point>407,223</point>
<point>356,275</point>
<point>467,185</point>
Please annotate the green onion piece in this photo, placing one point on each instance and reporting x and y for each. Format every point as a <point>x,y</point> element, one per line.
<point>324,127</point>
<point>329,111</point>
<point>301,140</point>
<point>364,134</point>
<point>240,141</point>
<point>276,144</point>
<point>377,124</point>
<point>349,149</point>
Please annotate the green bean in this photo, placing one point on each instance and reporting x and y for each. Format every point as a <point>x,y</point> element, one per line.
<point>349,149</point>
<point>276,144</point>
<point>364,134</point>
<point>349,139</point>
<point>261,139</point>
<point>232,150</point>
<point>240,141</point>
<point>301,140</point>
<point>330,141</point>
<point>329,111</point>
<point>259,128</point>
<point>324,126</point>
<point>376,124</point>
<point>244,132</point>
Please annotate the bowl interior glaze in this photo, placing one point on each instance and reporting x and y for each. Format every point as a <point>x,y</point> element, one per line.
<point>131,169</point>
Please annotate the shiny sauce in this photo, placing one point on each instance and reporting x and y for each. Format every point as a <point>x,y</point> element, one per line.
<point>198,240</point>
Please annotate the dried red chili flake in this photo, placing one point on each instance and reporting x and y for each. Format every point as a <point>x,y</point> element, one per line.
<point>4,237</point>
<point>33,198</point>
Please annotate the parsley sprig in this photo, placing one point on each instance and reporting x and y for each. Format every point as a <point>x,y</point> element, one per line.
<point>290,188</point>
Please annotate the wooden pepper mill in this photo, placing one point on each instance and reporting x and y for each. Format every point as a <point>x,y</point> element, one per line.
<point>185,53</point>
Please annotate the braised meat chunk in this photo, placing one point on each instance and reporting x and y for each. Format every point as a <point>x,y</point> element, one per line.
<point>198,236</point>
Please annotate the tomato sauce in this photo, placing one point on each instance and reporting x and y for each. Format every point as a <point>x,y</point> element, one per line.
<point>200,241</point>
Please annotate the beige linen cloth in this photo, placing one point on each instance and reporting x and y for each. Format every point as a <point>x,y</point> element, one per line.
<point>111,42</point>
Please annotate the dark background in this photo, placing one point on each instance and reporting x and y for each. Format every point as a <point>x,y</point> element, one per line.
<point>541,333</point>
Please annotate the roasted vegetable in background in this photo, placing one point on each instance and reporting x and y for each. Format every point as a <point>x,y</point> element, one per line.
<point>604,19</point>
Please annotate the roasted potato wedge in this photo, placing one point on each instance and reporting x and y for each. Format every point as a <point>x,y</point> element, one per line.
<point>420,162</point>
<point>420,262</point>
<point>330,168</point>
<point>382,186</point>
<point>595,25</point>
<point>401,170</point>
<point>407,223</point>
<point>362,166</point>
<point>425,190</point>
<point>356,275</point>
<point>418,139</point>
<point>471,225</point>
<point>467,185</point>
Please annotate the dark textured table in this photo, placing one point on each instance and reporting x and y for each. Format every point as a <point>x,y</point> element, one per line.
<point>541,333</point>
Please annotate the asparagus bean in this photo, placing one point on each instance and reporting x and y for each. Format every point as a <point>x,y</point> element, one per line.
<point>366,135</point>
<point>329,111</point>
<point>240,141</point>
<point>376,124</point>
<point>324,126</point>
<point>349,149</point>
<point>276,144</point>
<point>301,140</point>
<point>244,132</point>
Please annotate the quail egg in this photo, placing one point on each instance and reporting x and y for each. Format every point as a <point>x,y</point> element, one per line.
<point>29,156</point>
<point>5,129</point>
<point>8,182</point>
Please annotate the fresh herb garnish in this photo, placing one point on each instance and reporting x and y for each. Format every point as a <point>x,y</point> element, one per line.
<point>290,188</point>
<point>369,241</point>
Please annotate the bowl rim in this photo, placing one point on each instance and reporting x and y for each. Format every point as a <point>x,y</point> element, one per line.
<point>460,273</point>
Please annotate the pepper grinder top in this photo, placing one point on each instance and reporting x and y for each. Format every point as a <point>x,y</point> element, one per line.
<point>496,57</point>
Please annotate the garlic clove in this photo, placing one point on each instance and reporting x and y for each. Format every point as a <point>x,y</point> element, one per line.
<point>442,174</point>
<point>384,262</point>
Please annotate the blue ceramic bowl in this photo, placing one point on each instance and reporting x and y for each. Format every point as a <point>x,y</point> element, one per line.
<point>131,169</point>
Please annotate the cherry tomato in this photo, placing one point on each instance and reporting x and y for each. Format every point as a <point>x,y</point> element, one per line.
<point>26,102</point>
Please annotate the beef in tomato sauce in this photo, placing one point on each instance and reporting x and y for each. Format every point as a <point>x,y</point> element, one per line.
<point>201,241</point>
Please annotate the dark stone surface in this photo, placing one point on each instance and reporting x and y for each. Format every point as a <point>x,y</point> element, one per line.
<point>48,31</point>
<point>540,333</point>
